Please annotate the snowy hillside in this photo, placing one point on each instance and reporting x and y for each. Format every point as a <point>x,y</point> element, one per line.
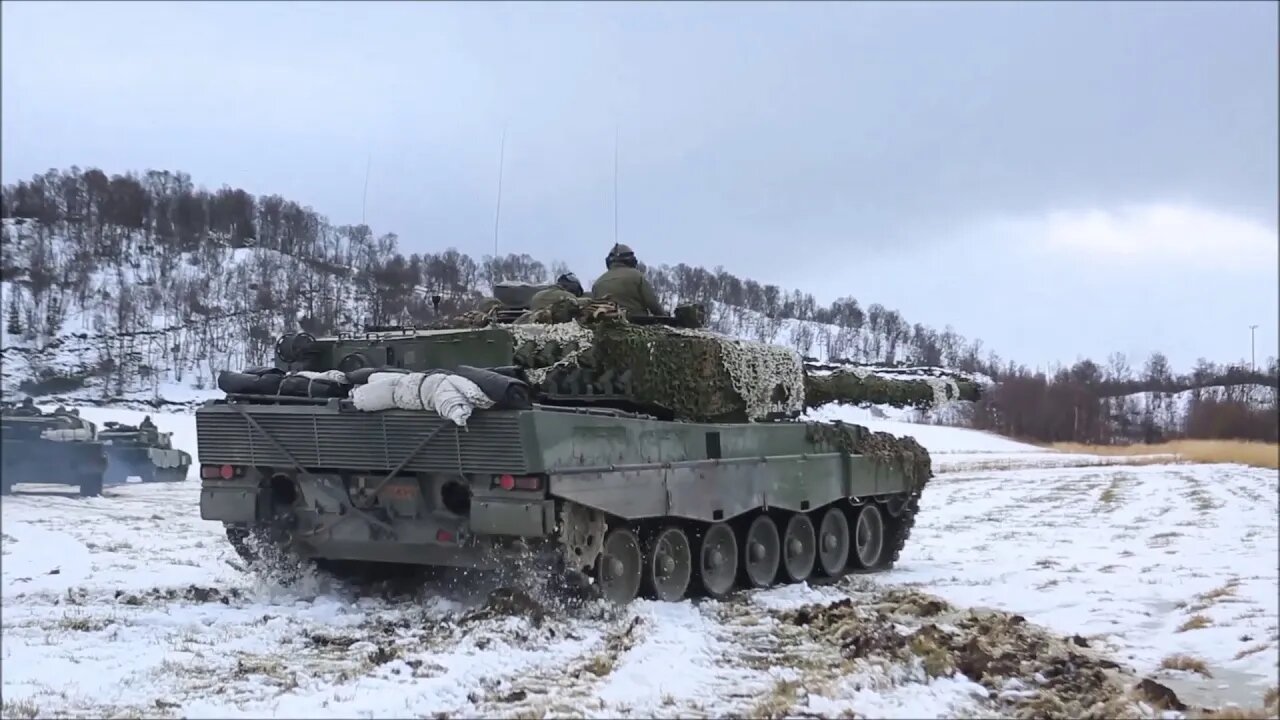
<point>136,290</point>
<point>132,604</point>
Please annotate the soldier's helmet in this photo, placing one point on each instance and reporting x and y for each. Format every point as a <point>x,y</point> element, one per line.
<point>28,402</point>
<point>570,282</point>
<point>620,255</point>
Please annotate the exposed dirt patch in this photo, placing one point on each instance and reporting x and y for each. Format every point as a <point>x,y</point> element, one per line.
<point>507,602</point>
<point>191,593</point>
<point>1029,671</point>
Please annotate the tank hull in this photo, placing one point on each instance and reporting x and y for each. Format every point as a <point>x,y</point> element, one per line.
<point>39,461</point>
<point>327,482</point>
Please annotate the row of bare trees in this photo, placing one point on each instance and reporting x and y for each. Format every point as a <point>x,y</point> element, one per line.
<point>82,221</point>
<point>1087,403</point>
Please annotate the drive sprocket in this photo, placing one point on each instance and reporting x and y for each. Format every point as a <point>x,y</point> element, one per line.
<point>581,535</point>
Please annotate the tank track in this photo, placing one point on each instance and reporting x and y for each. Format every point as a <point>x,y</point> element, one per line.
<point>901,526</point>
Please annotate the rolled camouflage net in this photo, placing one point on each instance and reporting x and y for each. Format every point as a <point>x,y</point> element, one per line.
<point>693,375</point>
<point>904,452</point>
<point>857,388</point>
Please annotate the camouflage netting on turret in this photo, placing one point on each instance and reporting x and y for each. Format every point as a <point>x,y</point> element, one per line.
<point>856,439</point>
<point>692,374</point>
<point>854,388</point>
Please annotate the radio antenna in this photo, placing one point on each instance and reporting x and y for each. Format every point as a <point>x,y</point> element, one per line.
<point>615,183</point>
<point>502,154</point>
<point>364,198</point>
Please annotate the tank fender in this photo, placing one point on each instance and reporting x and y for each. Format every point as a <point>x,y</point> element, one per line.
<point>716,490</point>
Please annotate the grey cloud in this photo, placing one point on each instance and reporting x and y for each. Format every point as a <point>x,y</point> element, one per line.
<point>867,129</point>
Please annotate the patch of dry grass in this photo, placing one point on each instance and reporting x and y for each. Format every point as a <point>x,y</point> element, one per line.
<point>1195,622</point>
<point>1253,650</point>
<point>1255,454</point>
<point>1186,663</point>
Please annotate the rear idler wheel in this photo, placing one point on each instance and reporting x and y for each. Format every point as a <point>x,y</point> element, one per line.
<point>668,565</point>
<point>799,548</point>
<point>618,568</point>
<point>894,505</point>
<point>869,537</point>
<point>717,561</point>
<point>833,542</point>
<point>760,552</point>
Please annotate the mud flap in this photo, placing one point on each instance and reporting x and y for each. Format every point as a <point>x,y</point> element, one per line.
<point>229,504</point>
<point>505,517</point>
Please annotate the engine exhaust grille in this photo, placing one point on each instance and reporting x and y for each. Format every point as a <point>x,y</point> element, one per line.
<point>353,440</point>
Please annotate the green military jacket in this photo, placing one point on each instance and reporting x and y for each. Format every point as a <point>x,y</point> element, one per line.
<point>627,287</point>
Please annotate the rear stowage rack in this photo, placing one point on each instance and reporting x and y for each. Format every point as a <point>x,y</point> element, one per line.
<point>278,400</point>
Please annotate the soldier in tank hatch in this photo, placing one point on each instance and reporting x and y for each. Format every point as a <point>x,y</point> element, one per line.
<point>27,408</point>
<point>567,287</point>
<point>625,285</point>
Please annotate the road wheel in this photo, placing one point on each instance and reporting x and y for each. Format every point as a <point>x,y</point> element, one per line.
<point>833,542</point>
<point>799,548</point>
<point>668,565</point>
<point>717,561</point>
<point>760,552</point>
<point>618,568</point>
<point>869,537</point>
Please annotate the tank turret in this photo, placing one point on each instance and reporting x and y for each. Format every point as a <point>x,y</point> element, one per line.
<point>585,352</point>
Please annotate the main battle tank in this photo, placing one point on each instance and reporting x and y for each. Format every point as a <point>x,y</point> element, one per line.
<point>58,448</point>
<point>641,454</point>
<point>142,452</point>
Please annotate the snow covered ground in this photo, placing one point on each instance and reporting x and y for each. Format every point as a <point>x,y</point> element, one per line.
<point>128,605</point>
<point>1153,562</point>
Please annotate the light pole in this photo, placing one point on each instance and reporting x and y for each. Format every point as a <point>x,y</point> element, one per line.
<point>1253,358</point>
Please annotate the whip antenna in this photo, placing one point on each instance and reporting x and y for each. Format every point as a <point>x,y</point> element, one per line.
<point>615,184</point>
<point>364,198</point>
<point>502,154</point>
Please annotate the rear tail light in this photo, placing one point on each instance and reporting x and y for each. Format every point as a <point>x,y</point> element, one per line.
<point>512,482</point>
<point>444,536</point>
<point>224,472</point>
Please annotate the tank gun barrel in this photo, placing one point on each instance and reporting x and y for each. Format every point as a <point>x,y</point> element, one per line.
<point>848,386</point>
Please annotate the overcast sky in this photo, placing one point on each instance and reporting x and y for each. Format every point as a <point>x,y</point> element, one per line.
<point>1061,180</point>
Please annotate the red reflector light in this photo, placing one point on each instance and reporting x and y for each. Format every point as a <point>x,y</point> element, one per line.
<point>227,472</point>
<point>444,536</point>
<point>506,482</point>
